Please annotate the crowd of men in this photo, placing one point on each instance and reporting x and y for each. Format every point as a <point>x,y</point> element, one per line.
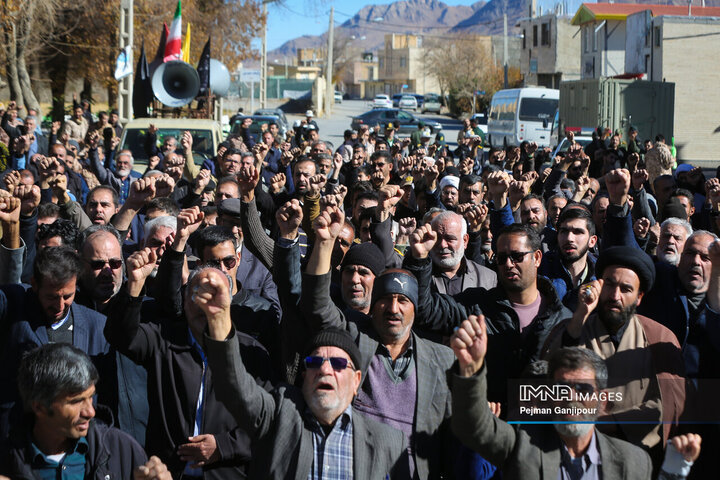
<point>295,309</point>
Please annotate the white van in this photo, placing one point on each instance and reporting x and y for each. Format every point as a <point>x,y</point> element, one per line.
<point>522,114</point>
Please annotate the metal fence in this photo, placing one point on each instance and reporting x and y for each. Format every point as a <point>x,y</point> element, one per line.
<point>277,87</point>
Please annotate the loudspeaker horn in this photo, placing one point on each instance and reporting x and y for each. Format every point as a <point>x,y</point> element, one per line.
<point>175,83</point>
<point>219,78</point>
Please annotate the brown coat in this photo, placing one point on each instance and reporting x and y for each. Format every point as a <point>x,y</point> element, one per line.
<point>667,363</point>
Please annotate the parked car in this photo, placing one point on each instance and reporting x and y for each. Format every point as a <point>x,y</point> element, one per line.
<point>405,122</point>
<point>432,103</point>
<point>338,97</point>
<point>482,121</point>
<point>408,102</point>
<point>278,113</point>
<point>396,100</point>
<point>207,135</point>
<point>257,126</point>
<point>382,101</point>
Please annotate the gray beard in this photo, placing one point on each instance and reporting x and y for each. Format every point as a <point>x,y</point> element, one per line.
<point>671,258</point>
<point>451,262</point>
<point>573,430</point>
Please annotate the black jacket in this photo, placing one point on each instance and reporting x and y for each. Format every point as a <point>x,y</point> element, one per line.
<point>112,454</point>
<point>175,369</point>
<point>509,350</point>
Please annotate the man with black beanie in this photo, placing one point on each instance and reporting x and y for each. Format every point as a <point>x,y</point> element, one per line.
<point>312,433</point>
<point>405,385</point>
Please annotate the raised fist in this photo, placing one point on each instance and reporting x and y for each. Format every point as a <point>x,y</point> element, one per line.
<point>289,218</point>
<point>422,241</point>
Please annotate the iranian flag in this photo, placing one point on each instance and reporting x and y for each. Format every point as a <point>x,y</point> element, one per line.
<point>173,47</point>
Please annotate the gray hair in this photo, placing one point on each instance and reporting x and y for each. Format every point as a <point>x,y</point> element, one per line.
<point>680,223</point>
<point>447,216</point>
<point>92,230</point>
<point>152,173</point>
<point>31,117</point>
<point>126,153</point>
<point>430,212</point>
<point>201,268</point>
<point>697,233</point>
<point>163,221</point>
<point>576,358</point>
<point>52,370</point>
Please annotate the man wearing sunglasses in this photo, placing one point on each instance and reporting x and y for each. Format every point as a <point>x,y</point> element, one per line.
<point>188,426</point>
<point>313,433</point>
<point>405,385</point>
<point>521,310</point>
<point>567,450</point>
<point>215,246</point>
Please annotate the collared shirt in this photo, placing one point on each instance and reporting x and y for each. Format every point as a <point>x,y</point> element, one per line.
<point>199,406</point>
<point>456,284</point>
<point>585,467</point>
<point>333,450</point>
<point>399,367</point>
<point>70,466</point>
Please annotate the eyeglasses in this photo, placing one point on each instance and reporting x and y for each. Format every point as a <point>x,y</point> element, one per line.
<point>228,261</point>
<point>337,363</point>
<point>580,387</point>
<point>114,263</point>
<point>515,257</point>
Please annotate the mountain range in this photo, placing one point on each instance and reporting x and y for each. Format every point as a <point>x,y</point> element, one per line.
<point>432,19</point>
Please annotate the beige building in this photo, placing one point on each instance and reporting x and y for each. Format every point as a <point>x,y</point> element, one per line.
<point>357,74</point>
<point>550,50</point>
<point>400,63</point>
<point>670,48</point>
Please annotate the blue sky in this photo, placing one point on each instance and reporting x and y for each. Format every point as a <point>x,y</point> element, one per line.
<point>310,17</point>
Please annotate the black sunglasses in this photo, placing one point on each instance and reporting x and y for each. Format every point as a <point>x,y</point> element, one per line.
<point>580,387</point>
<point>515,257</point>
<point>228,261</point>
<point>114,263</point>
<point>337,363</point>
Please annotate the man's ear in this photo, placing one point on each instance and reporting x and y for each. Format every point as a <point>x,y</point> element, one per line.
<point>592,241</point>
<point>537,256</point>
<point>466,239</point>
<point>357,379</point>
<point>640,297</point>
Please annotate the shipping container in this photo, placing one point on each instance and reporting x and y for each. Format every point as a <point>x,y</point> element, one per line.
<point>618,104</point>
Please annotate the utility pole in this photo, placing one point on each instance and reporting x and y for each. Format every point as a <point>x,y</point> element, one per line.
<point>329,90</point>
<point>125,89</point>
<point>505,50</point>
<point>263,59</point>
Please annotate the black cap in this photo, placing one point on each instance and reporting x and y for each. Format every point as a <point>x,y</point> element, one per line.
<point>229,207</point>
<point>335,337</point>
<point>628,257</point>
<point>366,254</point>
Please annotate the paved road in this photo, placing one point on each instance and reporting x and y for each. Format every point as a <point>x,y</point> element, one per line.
<point>332,128</point>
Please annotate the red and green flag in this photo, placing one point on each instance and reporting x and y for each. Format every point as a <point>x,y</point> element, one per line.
<point>173,47</point>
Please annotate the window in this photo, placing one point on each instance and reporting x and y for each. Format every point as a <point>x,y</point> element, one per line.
<point>403,115</point>
<point>524,38</point>
<point>545,34</point>
<point>537,109</point>
<point>594,40</point>
<point>586,39</point>
<point>657,36</point>
<point>535,35</point>
<point>403,61</point>
<point>381,62</point>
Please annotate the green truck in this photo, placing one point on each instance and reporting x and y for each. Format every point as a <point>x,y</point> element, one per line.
<point>617,104</point>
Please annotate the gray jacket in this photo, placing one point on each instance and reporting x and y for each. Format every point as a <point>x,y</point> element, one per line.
<point>433,445</point>
<point>284,448</point>
<point>474,275</point>
<point>529,452</point>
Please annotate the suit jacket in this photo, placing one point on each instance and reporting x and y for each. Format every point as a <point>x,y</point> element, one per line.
<point>284,443</point>
<point>529,452</point>
<point>432,445</point>
<point>256,279</point>
<point>23,327</point>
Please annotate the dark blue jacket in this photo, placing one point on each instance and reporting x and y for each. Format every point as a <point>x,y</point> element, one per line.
<point>23,326</point>
<point>552,268</point>
<point>112,453</point>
